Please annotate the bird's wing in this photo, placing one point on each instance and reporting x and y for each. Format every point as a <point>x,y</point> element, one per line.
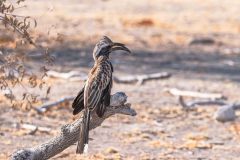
<point>78,103</point>
<point>96,87</point>
<point>106,96</point>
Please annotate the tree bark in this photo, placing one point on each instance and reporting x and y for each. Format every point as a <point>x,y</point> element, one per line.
<point>70,132</point>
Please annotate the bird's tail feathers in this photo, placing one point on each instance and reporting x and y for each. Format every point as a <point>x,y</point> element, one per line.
<point>82,146</point>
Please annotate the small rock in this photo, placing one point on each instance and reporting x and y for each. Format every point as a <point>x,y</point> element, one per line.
<point>225,113</point>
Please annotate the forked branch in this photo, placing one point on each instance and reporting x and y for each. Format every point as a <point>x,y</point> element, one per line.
<point>70,133</point>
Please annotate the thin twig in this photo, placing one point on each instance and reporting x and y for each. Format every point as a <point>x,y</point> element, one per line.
<point>45,107</point>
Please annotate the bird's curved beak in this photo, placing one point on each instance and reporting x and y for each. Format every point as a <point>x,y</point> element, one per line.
<point>120,46</point>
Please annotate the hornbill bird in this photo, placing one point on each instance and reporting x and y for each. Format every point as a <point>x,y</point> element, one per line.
<point>96,93</point>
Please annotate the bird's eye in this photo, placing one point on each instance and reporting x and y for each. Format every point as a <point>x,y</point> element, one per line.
<point>104,49</point>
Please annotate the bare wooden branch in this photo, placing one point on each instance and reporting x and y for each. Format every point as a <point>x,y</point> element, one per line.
<point>225,113</point>
<point>140,79</point>
<point>72,75</point>
<point>177,92</point>
<point>193,103</point>
<point>47,106</point>
<point>70,132</point>
<point>33,128</point>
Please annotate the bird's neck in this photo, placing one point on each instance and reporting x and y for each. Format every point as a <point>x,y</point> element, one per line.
<point>102,58</point>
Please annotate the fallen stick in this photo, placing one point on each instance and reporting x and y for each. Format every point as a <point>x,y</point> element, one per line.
<point>47,106</point>
<point>177,92</point>
<point>225,113</point>
<point>74,79</point>
<point>33,128</point>
<point>194,103</point>
<point>203,102</point>
<point>140,79</point>
<point>70,132</point>
<point>68,75</point>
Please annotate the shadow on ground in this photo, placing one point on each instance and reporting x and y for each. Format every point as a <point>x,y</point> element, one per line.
<point>202,62</point>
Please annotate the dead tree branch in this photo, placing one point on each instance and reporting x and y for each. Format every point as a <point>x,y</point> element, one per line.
<point>193,103</point>
<point>72,75</point>
<point>225,113</point>
<point>206,102</point>
<point>47,106</point>
<point>140,79</point>
<point>70,132</point>
<point>33,128</point>
<point>177,92</point>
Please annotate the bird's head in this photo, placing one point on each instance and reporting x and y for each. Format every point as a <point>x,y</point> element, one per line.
<point>105,46</point>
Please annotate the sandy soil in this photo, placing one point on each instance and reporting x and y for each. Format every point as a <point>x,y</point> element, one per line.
<point>158,32</point>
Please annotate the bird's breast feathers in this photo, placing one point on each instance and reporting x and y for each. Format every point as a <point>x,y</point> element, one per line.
<point>99,78</point>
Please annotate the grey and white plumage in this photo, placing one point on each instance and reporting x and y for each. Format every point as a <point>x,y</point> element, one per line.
<point>95,95</point>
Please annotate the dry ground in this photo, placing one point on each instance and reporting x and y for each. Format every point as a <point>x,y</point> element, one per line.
<point>158,32</point>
